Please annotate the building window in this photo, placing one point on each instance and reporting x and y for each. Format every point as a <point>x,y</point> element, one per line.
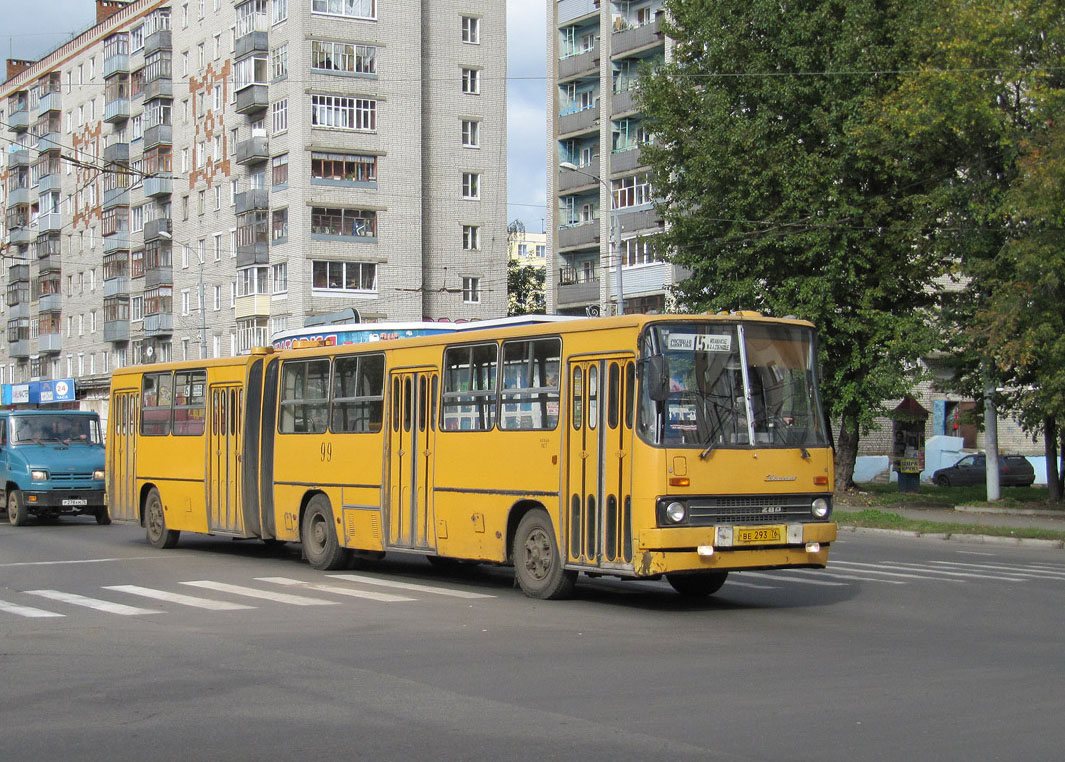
<point>471,81</point>
<point>279,170</point>
<point>279,61</point>
<point>279,278</point>
<point>250,71</point>
<point>471,185</point>
<point>279,10</point>
<point>356,9</point>
<point>471,290</point>
<point>343,57</point>
<point>471,30</point>
<point>251,332</point>
<point>252,281</point>
<point>251,17</point>
<point>344,276</point>
<point>360,223</point>
<point>279,116</point>
<point>342,167</point>
<point>471,237</point>
<point>471,133</point>
<point>279,225</point>
<point>631,191</point>
<point>344,113</point>
<point>637,251</point>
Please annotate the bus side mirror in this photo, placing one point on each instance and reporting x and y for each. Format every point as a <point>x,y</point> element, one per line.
<point>656,377</point>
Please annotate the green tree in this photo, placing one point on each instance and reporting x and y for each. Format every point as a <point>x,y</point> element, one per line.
<point>775,195</point>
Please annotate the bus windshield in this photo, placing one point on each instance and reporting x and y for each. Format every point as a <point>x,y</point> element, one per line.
<point>38,429</point>
<point>730,385</point>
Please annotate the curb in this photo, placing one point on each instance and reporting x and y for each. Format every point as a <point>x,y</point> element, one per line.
<point>967,539</point>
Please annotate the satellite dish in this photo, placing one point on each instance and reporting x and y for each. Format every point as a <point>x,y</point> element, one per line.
<point>149,351</point>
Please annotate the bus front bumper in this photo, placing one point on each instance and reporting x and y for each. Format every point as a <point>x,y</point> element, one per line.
<point>663,551</point>
<point>63,501</point>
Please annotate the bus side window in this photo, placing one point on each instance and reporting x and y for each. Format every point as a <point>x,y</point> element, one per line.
<point>155,403</point>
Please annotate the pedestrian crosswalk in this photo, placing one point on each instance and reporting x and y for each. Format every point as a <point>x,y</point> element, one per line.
<point>227,596</point>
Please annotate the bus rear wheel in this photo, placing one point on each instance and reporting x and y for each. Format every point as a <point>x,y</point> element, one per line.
<point>16,508</point>
<point>537,563</point>
<point>319,537</point>
<point>697,585</point>
<point>155,523</point>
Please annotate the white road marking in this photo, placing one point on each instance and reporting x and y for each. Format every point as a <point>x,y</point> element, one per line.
<point>408,586</point>
<point>27,611</point>
<point>1020,571</point>
<point>93,603</point>
<point>384,597</point>
<point>251,592</point>
<point>778,578</point>
<point>732,583</point>
<point>837,575</point>
<point>161,556</point>
<point>924,569</point>
<point>184,600</point>
<point>876,569</point>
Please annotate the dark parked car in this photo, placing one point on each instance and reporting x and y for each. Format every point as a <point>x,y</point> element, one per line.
<point>1014,471</point>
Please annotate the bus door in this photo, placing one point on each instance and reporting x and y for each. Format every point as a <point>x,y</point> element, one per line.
<point>224,451</point>
<point>122,451</point>
<point>599,472</point>
<point>412,437</point>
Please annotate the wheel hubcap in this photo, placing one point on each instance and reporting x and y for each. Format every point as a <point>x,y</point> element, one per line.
<point>538,555</point>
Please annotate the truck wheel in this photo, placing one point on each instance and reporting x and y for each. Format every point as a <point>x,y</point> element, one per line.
<point>103,518</point>
<point>537,563</point>
<point>155,523</point>
<point>16,508</point>
<point>319,537</point>
<point>697,585</point>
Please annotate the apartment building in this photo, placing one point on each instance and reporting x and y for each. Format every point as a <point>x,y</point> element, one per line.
<point>600,209</point>
<point>186,178</point>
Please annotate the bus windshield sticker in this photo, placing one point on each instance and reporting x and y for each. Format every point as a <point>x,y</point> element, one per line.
<point>690,342</point>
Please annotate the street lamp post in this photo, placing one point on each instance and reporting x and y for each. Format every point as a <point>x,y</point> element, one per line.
<point>615,231</point>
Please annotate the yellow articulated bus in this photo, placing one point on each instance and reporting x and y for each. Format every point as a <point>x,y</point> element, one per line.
<point>636,446</point>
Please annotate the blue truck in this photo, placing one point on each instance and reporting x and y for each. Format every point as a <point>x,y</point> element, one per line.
<point>53,464</point>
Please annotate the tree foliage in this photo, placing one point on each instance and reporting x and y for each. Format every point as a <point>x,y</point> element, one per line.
<point>776,195</point>
<point>525,289</point>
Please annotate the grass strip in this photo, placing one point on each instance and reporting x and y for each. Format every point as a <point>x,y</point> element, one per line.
<point>876,519</point>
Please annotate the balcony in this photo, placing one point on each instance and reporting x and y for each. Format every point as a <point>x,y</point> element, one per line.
<point>116,330</point>
<point>585,120</point>
<point>158,186</point>
<point>17,311</point>
<point>154,229</point>
<point>19,196</point>
<point>252,305</point>
<point>19,121</point>
<point>158,41</point>
<point>117,110</point>
<point>50,342</point>
<point>583,63</point>
<point>19,158</point>
<point>20,348</point>
<point>253,199</point>
<point>641,219</point>
<point>158,276</point>
<point>160,134</point>
<point>50,182</point>
<point>251,42</point>
<point>159,88</point>
<point>585,234</point>
<point>115,197</point>
<point>569,179</point>
<point>50,262</point>
<point>50,101</point>
<point>22,236</point>
<point>625,161</point>
<point>117,286</point>
<point>252,99</point>
<point>580,292</point>
<point>253,150</point>
<point>622,103</point>
<point>116,242</point>
<point>639,37</point>
<point>50,223</point>
<point>257,253</point>
<point>568,10</point>
<point>116,64</point>
<point>159,323</point>
<point>50,303</point>
<point>117,153</point>
<point>49,141</point>
<point>16,273</point>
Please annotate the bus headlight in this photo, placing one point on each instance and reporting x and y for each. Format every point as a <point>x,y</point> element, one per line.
<point>819,508</point>
<point>39,476</point>
<point>98,474</point>
<point>676,513</point>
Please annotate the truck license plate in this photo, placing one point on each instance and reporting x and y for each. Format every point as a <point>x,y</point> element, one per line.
<point>758,535</point>
<point>75,501</point>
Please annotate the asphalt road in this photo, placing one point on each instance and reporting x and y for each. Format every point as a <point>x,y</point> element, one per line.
<point>904,649</point>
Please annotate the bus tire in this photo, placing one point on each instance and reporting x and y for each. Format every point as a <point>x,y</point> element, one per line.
<point>155,523</point>
<point>697,585</point>
<point>103,518</point>
<point>319,537</point>
<point>16,508</point>
<point>538,566</point>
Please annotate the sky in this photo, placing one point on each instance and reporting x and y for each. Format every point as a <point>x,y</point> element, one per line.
<point>33,28</point>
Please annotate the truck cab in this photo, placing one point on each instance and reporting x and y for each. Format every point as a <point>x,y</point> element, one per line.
<point>52,464</point>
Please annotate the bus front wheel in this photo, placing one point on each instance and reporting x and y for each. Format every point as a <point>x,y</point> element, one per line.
<point>537,563</point>
<point>16,508</point>
<point>319,537</point>
<point>155,523</point>
<point>697,585</point>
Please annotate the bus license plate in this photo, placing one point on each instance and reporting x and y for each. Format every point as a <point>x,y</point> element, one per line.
<point>75,501</point>
<point>758,535</point>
